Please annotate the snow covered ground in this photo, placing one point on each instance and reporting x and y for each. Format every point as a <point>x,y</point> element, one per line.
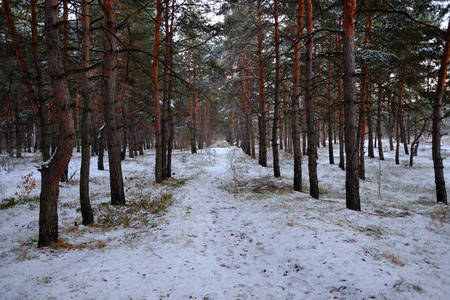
<point>231,231</point>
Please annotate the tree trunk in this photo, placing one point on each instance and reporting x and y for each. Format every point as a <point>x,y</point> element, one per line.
<point>110,105</point>
<point>18,127</point>
<point>362,124</point>
<point>330,109</point>
<point>370,139</point>
<point>310,122</point>
<point>86,121</point>
<point>351,147</point>
<point>262,126</point>
<point>296,100</point>
<point>276,105</point>
<point>379,120</point>
<point>441,192</point>
<point>158,135</point>
<point>52,170</point>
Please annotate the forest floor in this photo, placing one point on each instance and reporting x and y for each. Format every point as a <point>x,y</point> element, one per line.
<point>224,228</point>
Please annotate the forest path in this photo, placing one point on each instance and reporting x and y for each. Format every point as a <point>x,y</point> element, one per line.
<point>233,245</point>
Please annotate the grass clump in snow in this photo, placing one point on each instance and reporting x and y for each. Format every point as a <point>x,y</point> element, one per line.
<point>64,244</point>
<point>8,203</point>
<point>441,214</point>
<point>174,182</point>
<point>135,213</point>
<point>11,202</point>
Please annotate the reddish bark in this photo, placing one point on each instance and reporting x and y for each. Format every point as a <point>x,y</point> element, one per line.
<point>296,100</point>
<point>441,192</point>
<point>109,105</point>
<point>52,170</point>
<point>351,147</point>
<point>85,203</point>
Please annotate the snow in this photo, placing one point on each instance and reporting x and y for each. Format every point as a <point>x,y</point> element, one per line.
<point>233,231</point>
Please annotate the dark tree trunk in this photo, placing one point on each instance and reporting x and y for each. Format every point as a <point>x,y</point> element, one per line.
<point>351,147</point>
<point>262,126</point>
<point>330,114</point>
<point>441,192</point>
<point>379,120</point>
<point>52,170</point>
<point>310,119</point>
<point>109,105</point>
<point>370,139</point>
<point>362,123</point>
<point>341,117</point>
<point>158,130</point>
<point>101,149</point>
<point>296,100</point>
<point>18,127</point>
<point>86,121</point>
<point>276,106</point>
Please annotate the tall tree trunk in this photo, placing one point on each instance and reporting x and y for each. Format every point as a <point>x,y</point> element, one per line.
<point>276,106</point>
<point>18,126</point>
<point>399,128</point>
<point>341,123</point>
<point>192,103</point>
<point>296,100</point>
<point>441,192</point>
<point>341,111</point>
<point>262,126</point>
<point>86,121</point>
<point>351,147</point>
<point>362,124</point>
<point>310,118</point>
<point>110,105</point>
<point>165,122</point>
<point>158,136</point>
<point>52,170</point>
<point>370,139</point>
<point>330,109</point>
<point>379,120</point>
<point>101,148</point>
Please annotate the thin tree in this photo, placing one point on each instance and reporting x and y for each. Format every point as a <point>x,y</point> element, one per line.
<point>310,119</point>
<point>441,192</point>
<point>262,126</point>
<point>296,100</point>
<point>276,105</point>
<point>85,203</point>
<point>351,147</point>
<point>109,104</point>
<point>379,119</point>
<point>155,84</point>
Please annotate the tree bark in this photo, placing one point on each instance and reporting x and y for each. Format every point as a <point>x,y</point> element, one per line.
<point>158,135</point>
<point>296,100</point>
<point>351,147</point>
<point>262,126</point>
<point>109,105</point>
<point>310,119</point>
<point>441,192</point>
<point>379,120</point>
<point>330,113</point>
<point>52,170</point>
<point>85,203</point>
<point>276,106</point>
